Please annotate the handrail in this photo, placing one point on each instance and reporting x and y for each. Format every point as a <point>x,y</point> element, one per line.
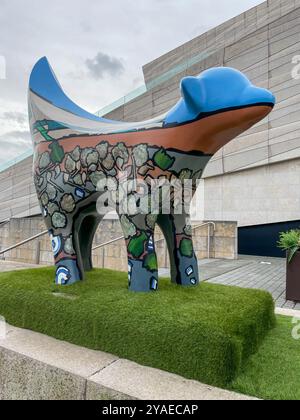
<point>108,243</point>
<point>4,222</point>
<point>205,224</point>
<point>193,229</point>
<point>11,248</point>
<point>208,234</point>
<point>163,239</point>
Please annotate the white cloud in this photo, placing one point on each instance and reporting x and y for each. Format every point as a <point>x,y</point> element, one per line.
<point>14,130</point>
<point>104,64</point>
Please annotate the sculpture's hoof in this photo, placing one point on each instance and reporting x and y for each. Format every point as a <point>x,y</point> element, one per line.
<point>189,272</point>
<point>140,279</point>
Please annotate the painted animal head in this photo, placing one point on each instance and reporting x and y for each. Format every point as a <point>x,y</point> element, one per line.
<point>217,90</point>
<point>225,95</point>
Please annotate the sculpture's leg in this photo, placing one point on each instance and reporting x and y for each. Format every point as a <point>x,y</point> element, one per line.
<point>68,269</point>
<point>183,261</point>
<point>72,245</point>
<point>142,259</point>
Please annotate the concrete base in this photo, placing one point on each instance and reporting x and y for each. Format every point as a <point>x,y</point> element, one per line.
<point>36,367</point>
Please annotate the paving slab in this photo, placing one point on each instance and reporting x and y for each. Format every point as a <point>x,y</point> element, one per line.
<point>264,273</point>
<point>251,272</point>
<point>211,268</point>
<point>214,268</point>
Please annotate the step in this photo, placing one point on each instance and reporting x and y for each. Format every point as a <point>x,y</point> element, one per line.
<point>37,367</point>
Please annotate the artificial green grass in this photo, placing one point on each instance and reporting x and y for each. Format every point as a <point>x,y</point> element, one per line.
<point>205,333</point>
<point>273,373</point>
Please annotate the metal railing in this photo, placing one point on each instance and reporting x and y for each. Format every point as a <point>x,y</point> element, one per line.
<point>108,243</point>
<point>209,225</point>
<point>4,222</point>
<point>26,241</point>
<point>194,228</point>
<point>101,246</point>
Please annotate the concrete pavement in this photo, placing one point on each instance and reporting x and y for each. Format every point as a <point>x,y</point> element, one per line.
<point>250,272</point>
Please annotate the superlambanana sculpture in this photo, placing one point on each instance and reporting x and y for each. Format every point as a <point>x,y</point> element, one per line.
<point>80,159</point>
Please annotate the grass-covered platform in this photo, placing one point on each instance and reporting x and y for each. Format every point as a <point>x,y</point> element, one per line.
<point>207,333</point>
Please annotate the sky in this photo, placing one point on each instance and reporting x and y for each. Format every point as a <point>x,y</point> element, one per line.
<point>96,47</point>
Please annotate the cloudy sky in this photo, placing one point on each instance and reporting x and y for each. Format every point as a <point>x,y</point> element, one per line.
<point>96,47</point>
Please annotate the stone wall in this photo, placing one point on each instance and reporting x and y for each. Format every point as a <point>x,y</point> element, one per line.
<point>267,194</point>
<point>228,34</point>
<point>222,242</point>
